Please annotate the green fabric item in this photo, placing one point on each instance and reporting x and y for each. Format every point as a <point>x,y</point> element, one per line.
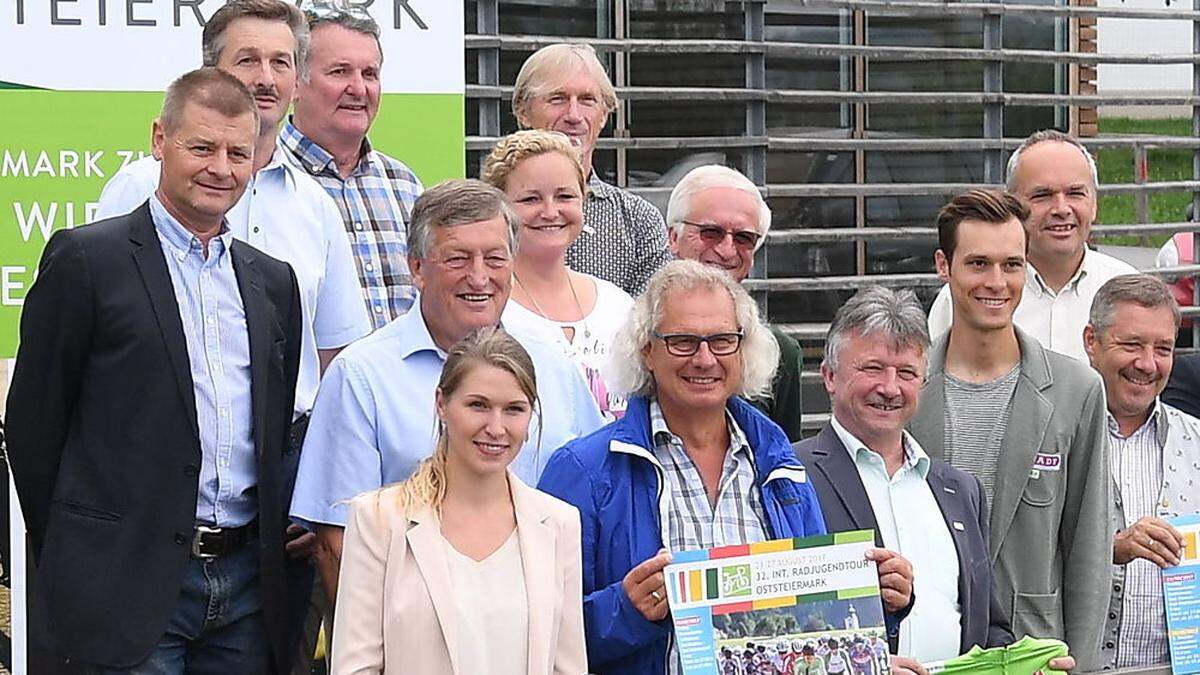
<point>1023,657</point>
<point>784,405</point>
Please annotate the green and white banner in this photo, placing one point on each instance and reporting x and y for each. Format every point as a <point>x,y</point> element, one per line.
<point>82,80</point>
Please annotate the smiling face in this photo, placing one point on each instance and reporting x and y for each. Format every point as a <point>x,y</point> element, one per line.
<point>486,421</point>
<point>730,210</point>
<point>1054,180</point>
<point>262,55</point>
<point>573,106</point>
<point>875,388</point>
<point>987,274</point>
<point>339,101</point>
<point>701,381</point>
<point>206,162</point>
<point>1134,356</point>
<point>545,191</point>
<point>464,279</point>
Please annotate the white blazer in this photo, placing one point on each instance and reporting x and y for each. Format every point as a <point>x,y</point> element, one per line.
<point>395,608</point>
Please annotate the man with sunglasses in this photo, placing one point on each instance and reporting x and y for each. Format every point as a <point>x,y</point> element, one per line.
<point>718,217</point>
<point>690,465</point>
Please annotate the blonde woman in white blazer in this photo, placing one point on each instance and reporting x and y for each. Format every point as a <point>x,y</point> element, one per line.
<point>463,569</point>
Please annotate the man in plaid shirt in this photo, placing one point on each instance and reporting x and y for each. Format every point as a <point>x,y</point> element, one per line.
<point>337,100</point>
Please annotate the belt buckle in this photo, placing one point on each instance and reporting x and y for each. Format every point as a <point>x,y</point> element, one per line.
<point>197,540</point>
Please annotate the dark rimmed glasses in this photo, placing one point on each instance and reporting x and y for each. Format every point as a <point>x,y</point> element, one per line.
<point>686,344</point>
<point>713,235</point>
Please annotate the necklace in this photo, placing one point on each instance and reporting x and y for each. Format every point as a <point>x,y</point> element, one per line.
<point>587,333</point>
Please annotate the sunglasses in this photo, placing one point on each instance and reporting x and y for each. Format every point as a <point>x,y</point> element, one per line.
<point>686,344</point>
<point>712,235</point>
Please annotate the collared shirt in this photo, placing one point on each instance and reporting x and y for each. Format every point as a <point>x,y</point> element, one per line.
<point>1055,319</point>
<point>214,327</point>
<point>375,202</point>
<point>692,521</point>
<point>1137,469</point>
<point>624,238</point>
<point>287,216</point>
<point>933,629</point>
<point>374,419</point>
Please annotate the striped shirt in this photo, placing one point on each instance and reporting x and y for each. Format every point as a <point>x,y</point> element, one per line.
<point>1137,469</point>
<point>976,418</point>
<point>692,522</point>
<point>375,202</point>
<point>624,238</point>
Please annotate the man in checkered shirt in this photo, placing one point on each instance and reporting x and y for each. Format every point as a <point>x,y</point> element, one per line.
<point>337,100</point>
<point>1154,454</point>
<point>564,88</point>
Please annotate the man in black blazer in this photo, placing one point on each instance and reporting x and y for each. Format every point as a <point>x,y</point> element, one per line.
<point>869,474</point>
<point>149,413</point>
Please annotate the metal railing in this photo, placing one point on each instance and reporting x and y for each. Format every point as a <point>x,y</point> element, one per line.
<point>852,52</point>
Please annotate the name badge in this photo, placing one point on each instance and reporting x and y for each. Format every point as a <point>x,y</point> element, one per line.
<point>1047,462</point>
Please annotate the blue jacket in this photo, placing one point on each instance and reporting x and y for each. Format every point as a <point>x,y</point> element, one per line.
<point>611,476</point>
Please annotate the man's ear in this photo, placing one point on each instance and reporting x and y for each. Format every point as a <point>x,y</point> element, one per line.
<point>416,267</point>
<point>158,139</point>
<point>942,264</point>
<point>1091,343</point>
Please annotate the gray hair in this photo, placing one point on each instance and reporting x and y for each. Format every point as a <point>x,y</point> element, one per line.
<point>759,352</point>
<point>457,202</point>
<point>1043,136</point>
<point>550,60</point>
<point>876,310</point>
<point>351,16</point>
<point>1142,289</point>
<point>212,39</point>
<point>713,176</point>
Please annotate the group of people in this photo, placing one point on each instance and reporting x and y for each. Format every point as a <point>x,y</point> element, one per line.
<point>484,414</point>
<point>829,655</point>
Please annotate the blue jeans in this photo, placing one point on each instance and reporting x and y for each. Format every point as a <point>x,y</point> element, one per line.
<point>217,626</point>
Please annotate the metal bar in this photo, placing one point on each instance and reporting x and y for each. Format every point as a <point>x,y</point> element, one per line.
<point>1141,173</point>
<point>487,21</point>
<point>921,280</point>
<point>993,113</point>
<point>817,50</point>
<point>1195,167</point>
<point>818,144</point>
<point>916,7</point>
<point>811,235</point>
<point>860,132</point>
<point>825,96</point>
<point>922,189</point>
<point>755,157</point>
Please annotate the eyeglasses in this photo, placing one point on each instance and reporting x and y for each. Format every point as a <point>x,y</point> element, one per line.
<point>712,235</point>
<point>318,10</point>
<point>686,344</point>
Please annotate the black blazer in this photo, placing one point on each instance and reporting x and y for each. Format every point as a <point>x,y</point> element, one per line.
<point>846,506</point>
<point>103,442</point>
<point>1183,389</point>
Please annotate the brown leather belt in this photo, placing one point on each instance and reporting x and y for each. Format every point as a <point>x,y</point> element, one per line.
<point>213,542</point>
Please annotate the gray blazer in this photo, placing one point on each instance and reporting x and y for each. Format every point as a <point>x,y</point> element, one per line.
<point>1051,544</point>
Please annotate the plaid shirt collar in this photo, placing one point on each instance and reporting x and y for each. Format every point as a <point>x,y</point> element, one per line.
<point>662,434</point>
<point>317,160</point>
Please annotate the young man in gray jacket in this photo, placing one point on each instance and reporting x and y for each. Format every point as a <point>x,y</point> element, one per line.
<point>1028,422</point>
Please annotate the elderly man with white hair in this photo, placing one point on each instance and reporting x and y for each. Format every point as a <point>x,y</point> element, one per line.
<point>718,217</point>
<point>691,348</point>
<point>564,88</point>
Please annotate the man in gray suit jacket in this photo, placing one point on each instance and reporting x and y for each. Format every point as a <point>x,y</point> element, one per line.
<point>1029,423</point>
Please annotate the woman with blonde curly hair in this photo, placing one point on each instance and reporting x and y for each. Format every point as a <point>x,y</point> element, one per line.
<point>463,568</point>
<point>540,173</point>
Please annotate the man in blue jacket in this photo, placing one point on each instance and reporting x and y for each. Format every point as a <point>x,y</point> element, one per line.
<point>690,465</point>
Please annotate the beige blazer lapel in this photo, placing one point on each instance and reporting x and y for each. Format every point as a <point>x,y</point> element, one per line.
<point>428,549</point>
<point>1027,424</point>
<point>538,545</point>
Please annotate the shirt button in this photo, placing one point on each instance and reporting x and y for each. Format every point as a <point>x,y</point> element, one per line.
<point>358,226</point>
<point>1112,615</point>
<point>368,267</point>
<point>378,309</point>
<point>1109,645</point>
<point>180,538</point>
<point>256,229</point>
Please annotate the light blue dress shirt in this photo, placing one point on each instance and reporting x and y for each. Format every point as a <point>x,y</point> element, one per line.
<point>374,420</point>
<point>214,327</point>
<point>912,524</point>
<point>286,215</point>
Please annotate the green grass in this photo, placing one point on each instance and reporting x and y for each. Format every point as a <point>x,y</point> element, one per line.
<point>1116,166</point>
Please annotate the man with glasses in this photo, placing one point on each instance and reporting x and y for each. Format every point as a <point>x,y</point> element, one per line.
<point>718,217</point>
<point>690,465</point>
<point>336,103</point>
<point>374,418</point>
<point>564,88</point>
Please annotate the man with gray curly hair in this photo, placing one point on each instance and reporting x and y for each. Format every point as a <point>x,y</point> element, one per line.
<point>691,348</point>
